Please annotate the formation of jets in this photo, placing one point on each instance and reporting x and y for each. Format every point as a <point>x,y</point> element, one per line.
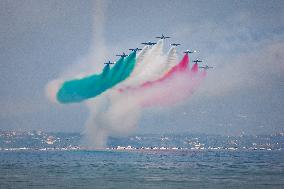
<point>149,43</point>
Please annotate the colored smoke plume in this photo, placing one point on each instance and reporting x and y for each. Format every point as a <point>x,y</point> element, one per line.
<point>119,110</point>
<point>118,95</point>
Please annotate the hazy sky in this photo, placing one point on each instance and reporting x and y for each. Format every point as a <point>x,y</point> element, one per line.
<point>243,40</point>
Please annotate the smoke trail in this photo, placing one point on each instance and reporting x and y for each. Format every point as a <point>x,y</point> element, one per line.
<point>138,67</point>
<point>140,57</point>
<point>80,89</point>
<point>154,64</point>
<point>172,58</point>
<point>194,68</point>
<point>172,90</point>
<point>150,65</point>
<point>173,87</point>
<point>121,70</point>
<point>128,67</point>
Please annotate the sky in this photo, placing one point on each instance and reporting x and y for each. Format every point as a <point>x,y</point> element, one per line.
<point>243,40</point>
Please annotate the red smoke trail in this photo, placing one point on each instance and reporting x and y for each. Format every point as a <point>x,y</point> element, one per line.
<point>194,68</point>
<point>175,86</point>
<point>180,67</point>
<point>173,90</point>
<point>183,65</point>
<point>204,73</point>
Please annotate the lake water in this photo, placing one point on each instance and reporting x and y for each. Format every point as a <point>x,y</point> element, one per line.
<point>142,169</point>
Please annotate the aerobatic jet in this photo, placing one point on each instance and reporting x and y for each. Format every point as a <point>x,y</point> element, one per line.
<point>175,44</point>
<point>188,51</point>
<point>108,63</point>
<point>122,55</point>
<point>163,37</point>
<point>206,67</point>
<point>148,43</point>
<point>136,49</point>
<point>196,61</point>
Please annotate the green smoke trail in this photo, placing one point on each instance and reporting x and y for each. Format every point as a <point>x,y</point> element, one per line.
<point>106,70</point>
<point>125,70</point>
<point>78,90</point>
<point>110,79</point>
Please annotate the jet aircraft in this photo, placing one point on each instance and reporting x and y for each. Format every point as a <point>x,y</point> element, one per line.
<point>196,61</point>
<point>206,67</point>
<point>163,37</point>
<point>136,49</point>
<point>122,55</point>
<point>175,44</point>
<point>108,63</point>
<point>188,51</point>
<point>148,43</point>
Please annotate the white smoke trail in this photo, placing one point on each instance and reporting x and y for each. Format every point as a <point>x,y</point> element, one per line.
<point>140,58</point>
<point>172,58</point>
<point>150,65</point>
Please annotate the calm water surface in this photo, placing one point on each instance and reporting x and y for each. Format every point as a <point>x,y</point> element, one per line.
<point>142,169</point>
